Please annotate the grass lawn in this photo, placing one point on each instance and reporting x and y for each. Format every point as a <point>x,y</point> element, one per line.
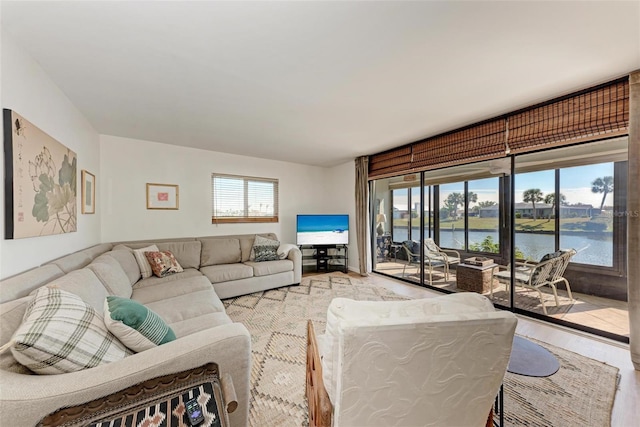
<point>522,224</point>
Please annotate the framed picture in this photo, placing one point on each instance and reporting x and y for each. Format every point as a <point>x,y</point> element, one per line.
<point>162,196</point>
<point>88,192</point>
<point>40,197</point>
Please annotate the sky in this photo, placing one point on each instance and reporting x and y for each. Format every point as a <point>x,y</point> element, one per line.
<point>575,184</point>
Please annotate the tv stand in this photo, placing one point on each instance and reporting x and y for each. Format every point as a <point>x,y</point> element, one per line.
<point>325,258</point>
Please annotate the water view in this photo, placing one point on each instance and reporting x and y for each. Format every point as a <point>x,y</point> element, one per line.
<point>596,249</point>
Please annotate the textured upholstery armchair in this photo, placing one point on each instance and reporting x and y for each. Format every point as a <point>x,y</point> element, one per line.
<point>428,362</point>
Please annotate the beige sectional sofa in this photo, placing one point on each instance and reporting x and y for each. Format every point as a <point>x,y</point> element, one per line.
<point>189,302</point>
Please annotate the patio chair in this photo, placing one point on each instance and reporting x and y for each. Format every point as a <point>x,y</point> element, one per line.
<point>412,248</point>
<point>548,271</point>
<point>436,253</point>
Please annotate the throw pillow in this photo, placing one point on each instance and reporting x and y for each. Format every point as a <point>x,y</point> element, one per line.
<point>163,263</point>
<point>265,253</point>
<point>61,333</point>
<point>263,241</point>
<point>145,267</point>
<point>135,325</point>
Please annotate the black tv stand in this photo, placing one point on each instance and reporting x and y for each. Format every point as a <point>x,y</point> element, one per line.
<point>325,258</point>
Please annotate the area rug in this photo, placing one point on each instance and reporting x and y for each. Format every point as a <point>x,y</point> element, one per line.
<point>581,393</point>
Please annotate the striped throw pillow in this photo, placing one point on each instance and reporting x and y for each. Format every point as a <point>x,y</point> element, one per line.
<point>145,267</point>
<point>135,325</point>
<point>61,333</point>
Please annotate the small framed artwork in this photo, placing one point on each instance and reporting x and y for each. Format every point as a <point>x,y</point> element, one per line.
<point>162,196</point>
<point>88,192</point>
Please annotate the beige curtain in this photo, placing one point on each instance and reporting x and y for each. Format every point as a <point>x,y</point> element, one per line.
<point>633,220</point>
<point>362,211</point>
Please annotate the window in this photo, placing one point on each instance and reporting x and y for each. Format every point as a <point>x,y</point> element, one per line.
<point>452,211</point>
<point>243,199</point>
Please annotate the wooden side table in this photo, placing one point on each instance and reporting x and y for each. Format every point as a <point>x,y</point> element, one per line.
<point>474,278</point>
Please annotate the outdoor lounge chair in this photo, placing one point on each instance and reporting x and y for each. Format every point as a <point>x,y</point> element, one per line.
<point>436,253</point>
<point>547,272</point>
<point>411,248</point>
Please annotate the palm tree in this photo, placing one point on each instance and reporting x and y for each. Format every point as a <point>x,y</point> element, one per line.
<point>532,196</point>
<point>602,185</point>
<point>550,199</point>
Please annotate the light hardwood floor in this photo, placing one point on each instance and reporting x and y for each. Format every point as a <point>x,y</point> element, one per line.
<point>626,410</point>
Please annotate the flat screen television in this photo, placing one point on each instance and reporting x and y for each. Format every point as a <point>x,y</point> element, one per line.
<point>322,229</point>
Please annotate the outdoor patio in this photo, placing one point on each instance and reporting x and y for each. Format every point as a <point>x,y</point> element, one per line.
<point>601,313</point>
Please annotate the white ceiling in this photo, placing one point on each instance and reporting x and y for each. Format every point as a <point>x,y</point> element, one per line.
<point>317,83</point>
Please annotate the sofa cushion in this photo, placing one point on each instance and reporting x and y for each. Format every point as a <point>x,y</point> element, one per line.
<point>192,305</point>
<point>128,263</point>
<point>85,284</point>
<point>192,325</point>
<point>20,285</point>
<point>11,315</point>
<point>111,274</point>
<point>61,333</point>
<point>264,249</point>
<point>145,267</point>
<point>220,251</point>
<point>187,253</point>
<point>163,263</point>
<point>72,261</point>
<point>227,272</point>
<point>154,280</point>
<point>268,268</point>
<point>135,325</point>
<point>171,288</point>
<point>95,251</point>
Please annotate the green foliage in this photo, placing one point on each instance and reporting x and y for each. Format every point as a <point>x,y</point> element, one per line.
<point>67,174</point>
<point>54,202</point>
<point>488,245</point>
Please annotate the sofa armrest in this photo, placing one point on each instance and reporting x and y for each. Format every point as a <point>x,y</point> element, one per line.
<point>295,255</point>
<point>35,396</point>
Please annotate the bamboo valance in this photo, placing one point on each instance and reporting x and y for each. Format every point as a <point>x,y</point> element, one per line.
<point>596,113</point>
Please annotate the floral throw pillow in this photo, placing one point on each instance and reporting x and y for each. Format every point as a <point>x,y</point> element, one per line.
<point>163,263</point>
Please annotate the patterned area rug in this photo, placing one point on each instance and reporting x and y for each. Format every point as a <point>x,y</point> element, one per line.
<point>580,393</point>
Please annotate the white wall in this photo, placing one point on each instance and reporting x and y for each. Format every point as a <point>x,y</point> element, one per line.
<point>30,92</point>
<point>126,165</point>
<point>340,198</point>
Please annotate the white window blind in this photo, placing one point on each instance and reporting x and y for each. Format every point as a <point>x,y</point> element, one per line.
<point>238,198</point>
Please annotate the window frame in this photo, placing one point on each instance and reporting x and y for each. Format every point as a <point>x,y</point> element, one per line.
<point>246,218</point>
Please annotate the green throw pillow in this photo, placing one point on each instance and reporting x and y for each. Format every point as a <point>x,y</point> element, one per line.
<point>135,325</point>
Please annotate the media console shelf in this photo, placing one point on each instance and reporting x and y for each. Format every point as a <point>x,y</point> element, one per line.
<point>324,258</point>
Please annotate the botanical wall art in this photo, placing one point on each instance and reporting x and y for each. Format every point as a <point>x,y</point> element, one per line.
<point>162,196</point>
<point>40,183</point>
<point>88,193</point>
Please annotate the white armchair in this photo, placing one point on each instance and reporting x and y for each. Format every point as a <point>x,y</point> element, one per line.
<point>428,362</point>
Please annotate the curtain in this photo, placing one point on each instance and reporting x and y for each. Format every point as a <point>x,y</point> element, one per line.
<point>362,211</point>
<point>633,222</point>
